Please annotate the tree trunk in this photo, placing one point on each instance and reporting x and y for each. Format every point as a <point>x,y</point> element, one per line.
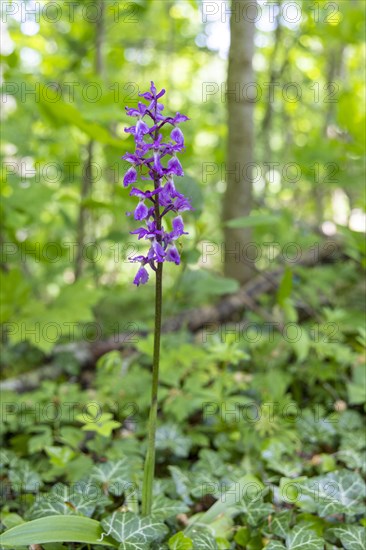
<point>87,178</point>
<point>240,94</point>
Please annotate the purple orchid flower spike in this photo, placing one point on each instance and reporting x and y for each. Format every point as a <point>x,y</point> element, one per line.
<point>155,162</point>
<point>158,159</point>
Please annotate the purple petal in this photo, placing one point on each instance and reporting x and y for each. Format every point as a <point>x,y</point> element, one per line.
<point>141,211</point>
<point>141,276</point>
<point>146,95</point>
<point>131,158</point>
<point>130,177</point>
<point>142,128</point>
<point>178,226</point>
<point>156,251</point>
<point>132,111</point>
<point>175,167</point>
<point>177,136</point>
<point>182,204</point>
<point>137,193</point>
<point>160,94</point>
<point>180,118</point>
<point>157,164</point>
<point>173,255</point>
<point>152,88</point>
<point>141,232</point>
<point>130,130</point>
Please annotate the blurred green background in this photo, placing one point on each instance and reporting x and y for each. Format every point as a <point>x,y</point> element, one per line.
<point>69,70</point>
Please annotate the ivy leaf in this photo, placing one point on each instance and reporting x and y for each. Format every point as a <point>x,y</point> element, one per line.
<point>352,537</point>
<point>227,502</point>
<point>275,545</point>
<point>280,524</point>
<point>22,477</point>
<point>256,511</point>
<point>203,540</point>
<point>9,519</point>
<point>132,532</point>
<point>180,542</point>
<point>164,508</point>
<point>354,460</point>
<point>300,538</point>
<point>210,462</point>
<point>182,483</point>
<point>113,475</point>
<point>169,437</point>
<point>335,493</point>
<point>63,500</point>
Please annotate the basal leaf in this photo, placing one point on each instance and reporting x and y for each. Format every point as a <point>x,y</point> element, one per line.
<point>56,529</point>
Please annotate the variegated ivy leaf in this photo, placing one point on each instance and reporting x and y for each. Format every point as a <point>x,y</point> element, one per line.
<point>132,532</point>
<point>7,457</point>
<point>300,538</point>
<point>204,484</point>
<point>280,524</point>
<point>335,493</point>
<point>210,462</point>
<point>182,483</point>
<point>164,508</point>
<point>170,437</point>
<point>352,537</point>
<point>63,500</point>
<point>114,476</point>
<point>23,478</point>
<point>275,545</point>
<point>203,540</point>
<point>354,460</point>
<point>256,511</point>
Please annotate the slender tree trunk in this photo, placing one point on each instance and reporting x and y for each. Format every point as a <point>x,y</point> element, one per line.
<point>238,196</point>
<point>87,177</point>
<point>86,187</point>
<point>320,190</point>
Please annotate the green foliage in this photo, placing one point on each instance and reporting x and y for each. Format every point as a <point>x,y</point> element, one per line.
<point>260,440</point>
<point>55,529</point>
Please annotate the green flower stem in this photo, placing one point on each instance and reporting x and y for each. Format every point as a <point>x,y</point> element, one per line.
<point>149,469</point>
<point>147,487</point>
